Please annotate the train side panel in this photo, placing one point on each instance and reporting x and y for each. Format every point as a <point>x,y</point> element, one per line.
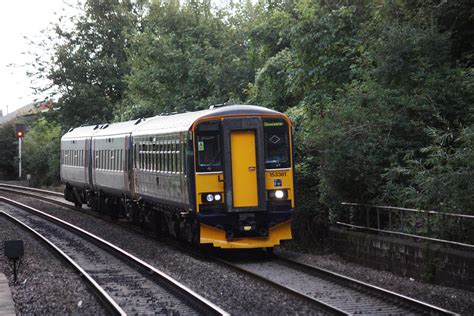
<point>73,166</point>
<point>159,169</point>
<point>109,170</point>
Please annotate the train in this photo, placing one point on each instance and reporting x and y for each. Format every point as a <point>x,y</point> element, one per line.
<point>222,177</point>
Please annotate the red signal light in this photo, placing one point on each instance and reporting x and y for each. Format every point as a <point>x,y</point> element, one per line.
<point>20,130</point>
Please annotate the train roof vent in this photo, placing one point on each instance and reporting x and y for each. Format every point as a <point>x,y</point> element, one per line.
<point>71,129</point>
<point>141,119</point>
<point>104,126</point>
<point>96,127</point>
<point>215,106</point>
<point>168,113</point>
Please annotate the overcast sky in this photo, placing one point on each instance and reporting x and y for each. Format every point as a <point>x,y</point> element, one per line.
<point>19,18</point>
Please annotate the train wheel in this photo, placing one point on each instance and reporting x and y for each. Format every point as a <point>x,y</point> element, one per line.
<point>269,252</point>
<point>190,232</point>
<point>93,202</point>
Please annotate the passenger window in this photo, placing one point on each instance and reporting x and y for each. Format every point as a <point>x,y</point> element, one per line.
<point>141,158</point>
<point>160,159</point>
<point>208,147</point>
<point>170,157</point>
<point>154,157</point>
<point>120,162</point>
<point>115,160</point>
<point>173,161</point>
<point>148,157</point>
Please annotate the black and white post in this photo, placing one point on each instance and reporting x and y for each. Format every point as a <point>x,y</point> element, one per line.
<point>19,157</point>
<point>19,133</point>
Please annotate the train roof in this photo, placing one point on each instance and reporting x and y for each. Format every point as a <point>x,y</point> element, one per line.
<point>80,132</point>
<point>163,124</point>
<point>183,121</point>
<point>114,129</point>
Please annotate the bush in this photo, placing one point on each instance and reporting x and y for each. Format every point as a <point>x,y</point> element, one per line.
<point>42,152</point>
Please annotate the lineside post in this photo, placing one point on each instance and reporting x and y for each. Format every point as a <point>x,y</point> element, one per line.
<point>19,158</point>
<point>19,133</point>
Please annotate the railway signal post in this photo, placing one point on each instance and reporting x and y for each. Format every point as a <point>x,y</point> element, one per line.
<point>19,133</point>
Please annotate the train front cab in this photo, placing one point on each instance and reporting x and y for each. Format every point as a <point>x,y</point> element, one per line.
<point>244,180</point>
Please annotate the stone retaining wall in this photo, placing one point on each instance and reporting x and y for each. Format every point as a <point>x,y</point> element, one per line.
<point>418,259</point>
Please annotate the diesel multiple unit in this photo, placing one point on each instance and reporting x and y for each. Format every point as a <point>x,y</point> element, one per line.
<point>222,176</point>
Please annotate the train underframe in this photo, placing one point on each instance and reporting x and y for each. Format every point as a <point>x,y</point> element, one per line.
<point>244,230</point>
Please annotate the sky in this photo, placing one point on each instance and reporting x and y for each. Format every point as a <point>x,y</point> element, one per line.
<point>20,18</point>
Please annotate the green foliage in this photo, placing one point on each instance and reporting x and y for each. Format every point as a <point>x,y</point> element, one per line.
<point>381,93</point>
<point>406,55</point>
<point>8,151</point>
<point>41,152</point>
<point>442,180</point>
<point>272,86</point>
<point>186,58</point>
<point>90,63</point>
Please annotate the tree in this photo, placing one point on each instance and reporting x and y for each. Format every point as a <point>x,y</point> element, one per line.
<point>90,63</point>
<point>186,58</point>
<point>41,152</point>
<point>8,151</point>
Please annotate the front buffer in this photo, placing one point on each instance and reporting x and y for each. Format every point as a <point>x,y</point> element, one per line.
<point>217,237</point>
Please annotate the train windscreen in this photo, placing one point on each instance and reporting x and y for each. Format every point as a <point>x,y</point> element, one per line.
<point>277,147</point>
<point>208,147</point>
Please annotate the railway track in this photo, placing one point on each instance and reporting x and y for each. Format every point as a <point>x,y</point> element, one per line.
<point>57,198</point>
<point>330,292</point>
<point>125,283</point>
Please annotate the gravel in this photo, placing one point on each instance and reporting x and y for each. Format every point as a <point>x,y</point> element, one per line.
<point>45,284</point>
<point>456,300</point>
<point>236,293</point>
<point>239,294</point>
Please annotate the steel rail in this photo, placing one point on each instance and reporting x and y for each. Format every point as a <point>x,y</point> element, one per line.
<point>390,232</point>
<point>24,191</point>
<point>108,302</point>
<point>180,290</point>
<point>20,187</point>
<point>300,266</point>
<point>324,307</point>
<point>372,289</point>
<point>383,207</point>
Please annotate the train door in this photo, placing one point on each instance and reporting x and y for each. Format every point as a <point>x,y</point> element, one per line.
<point>244,168</point>
<point>88,161</point>
<point>244,164</point>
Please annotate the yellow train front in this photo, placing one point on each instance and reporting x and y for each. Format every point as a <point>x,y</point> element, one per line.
<point>243,177</point>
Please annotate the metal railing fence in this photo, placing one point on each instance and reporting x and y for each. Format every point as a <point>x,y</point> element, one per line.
<point>432,224</point>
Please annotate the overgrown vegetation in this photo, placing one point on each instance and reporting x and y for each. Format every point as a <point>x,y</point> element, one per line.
<point>381,92</point>
<point>8,152</point>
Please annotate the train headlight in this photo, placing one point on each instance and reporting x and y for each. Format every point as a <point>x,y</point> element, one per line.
<point>279,194</point>
<point>210,198</point>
